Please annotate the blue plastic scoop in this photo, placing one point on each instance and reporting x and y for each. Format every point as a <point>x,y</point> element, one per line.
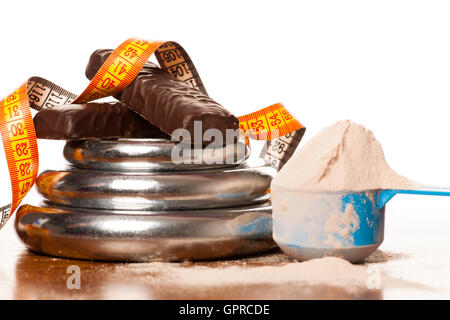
<point>385,195</point>
<point>347,224</point>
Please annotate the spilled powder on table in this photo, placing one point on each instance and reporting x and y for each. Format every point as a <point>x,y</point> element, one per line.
<point>343,156</point>
<point>330,271</point>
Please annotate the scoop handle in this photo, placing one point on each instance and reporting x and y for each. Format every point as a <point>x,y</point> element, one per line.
<point>385,195</point>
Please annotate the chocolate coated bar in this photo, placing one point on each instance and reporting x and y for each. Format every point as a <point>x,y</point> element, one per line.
<point>167,102</point>
<point>92,120</point>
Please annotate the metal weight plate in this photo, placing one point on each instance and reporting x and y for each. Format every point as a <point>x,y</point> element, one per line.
<point>145,236</point>
<point>150,155</point>
<point>241,185</point>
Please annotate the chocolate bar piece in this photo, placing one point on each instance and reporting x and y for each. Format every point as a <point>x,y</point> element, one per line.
<point>92,120</point>
<point>167,102</point>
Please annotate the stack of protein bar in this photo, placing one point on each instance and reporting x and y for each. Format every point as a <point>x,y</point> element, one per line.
<point>130,193</point>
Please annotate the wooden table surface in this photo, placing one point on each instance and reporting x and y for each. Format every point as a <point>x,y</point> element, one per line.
<point>416,251</point>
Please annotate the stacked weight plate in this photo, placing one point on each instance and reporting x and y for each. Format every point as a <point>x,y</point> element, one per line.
<point>150,199</point>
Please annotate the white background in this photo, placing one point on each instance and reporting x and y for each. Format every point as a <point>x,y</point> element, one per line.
<point>385,64</point>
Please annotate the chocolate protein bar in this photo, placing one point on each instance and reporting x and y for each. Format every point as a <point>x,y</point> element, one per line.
<point>92,120</point>
<point>167,102</point>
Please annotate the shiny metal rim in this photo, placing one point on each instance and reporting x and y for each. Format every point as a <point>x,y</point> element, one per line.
<point>150,155</point>
<point>145,236</point>
<point>237,186</point>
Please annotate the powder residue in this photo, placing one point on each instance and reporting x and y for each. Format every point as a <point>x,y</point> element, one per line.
<point>329,271</point>
<point>316,271</point>
<point>342,224</point>
<point>344,156</point>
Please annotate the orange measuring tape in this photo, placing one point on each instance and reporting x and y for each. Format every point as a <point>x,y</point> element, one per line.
<point>274,123</point>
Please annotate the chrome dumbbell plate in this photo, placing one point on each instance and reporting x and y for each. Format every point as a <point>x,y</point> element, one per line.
<point>241,185</point>
<point>145,235</point>
<point>150,155</point>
